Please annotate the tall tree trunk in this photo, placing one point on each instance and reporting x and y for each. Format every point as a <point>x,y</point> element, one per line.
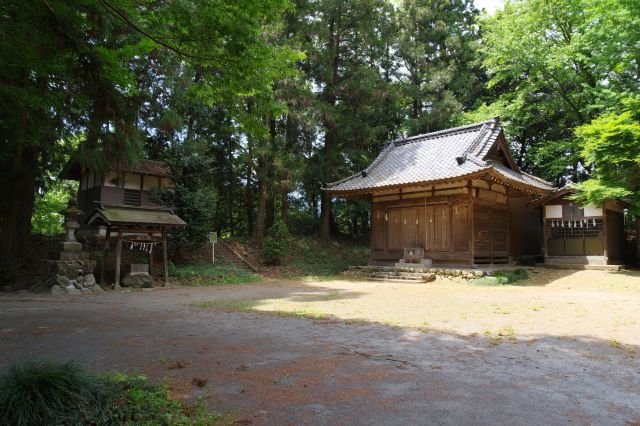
<point>325,215</point>
<point>249,177</point>
<point>270,213</point>
<point>260,220</point>
<point>17,207</point>
<point>232,191</point>
<point>330,125</point>
<point>291,148</point>
<point>270,205</point>
<point>249,192</point>
<point>284,200</point>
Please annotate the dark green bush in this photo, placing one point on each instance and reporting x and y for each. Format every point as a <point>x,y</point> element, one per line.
<point>38,393</point>
<point>277,243</point>
<point>47,393</point>
<point>502,277</point>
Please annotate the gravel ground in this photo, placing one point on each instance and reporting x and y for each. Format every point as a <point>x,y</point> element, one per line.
<point>286,368</point>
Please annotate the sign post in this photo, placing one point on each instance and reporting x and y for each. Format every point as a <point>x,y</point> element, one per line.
<point>213,238</point>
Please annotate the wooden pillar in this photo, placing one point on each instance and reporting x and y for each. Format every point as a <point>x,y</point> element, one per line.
<point>165,257</point>
<point>471,210</point>
<point>605,232</point>
<point>372,228</point>
<point>118,258</point>
<point>105,251</point>
<point>151,256</point>
<point>545,231</point>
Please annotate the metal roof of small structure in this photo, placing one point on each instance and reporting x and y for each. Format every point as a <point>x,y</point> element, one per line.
<point>134,216</point>
<point>439,156</point>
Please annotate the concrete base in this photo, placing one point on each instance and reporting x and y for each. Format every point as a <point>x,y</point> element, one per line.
<point>576,260</point>
<point>580,266</point>
<point>72,246</point>
<point>421,263</point>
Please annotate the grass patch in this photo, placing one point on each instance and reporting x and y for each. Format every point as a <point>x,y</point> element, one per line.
<point>234,306</point>
<point>39,393</point>
<point>211,275</point>
<point>502,278</point>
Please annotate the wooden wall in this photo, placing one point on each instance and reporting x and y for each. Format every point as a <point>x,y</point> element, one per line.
<point>463,221</point>
<point>525,227</point>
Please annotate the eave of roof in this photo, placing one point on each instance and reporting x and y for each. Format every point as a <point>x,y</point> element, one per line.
<point>121,215</point>
<point>73,169</point>
<point>423,159</point>
<point>567,189</point>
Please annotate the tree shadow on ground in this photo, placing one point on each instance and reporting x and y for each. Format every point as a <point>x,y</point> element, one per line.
<point>328,370</point>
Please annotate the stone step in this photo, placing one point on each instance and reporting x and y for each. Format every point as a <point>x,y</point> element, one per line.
<point>396,280</point>
<point>399,275</point>
<point>390,269</point>
<point>437,270</point>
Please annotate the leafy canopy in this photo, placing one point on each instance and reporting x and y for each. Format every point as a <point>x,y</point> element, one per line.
<point>611,142</point>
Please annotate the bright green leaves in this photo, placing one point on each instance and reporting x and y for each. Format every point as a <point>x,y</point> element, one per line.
<point>559,64</point>
<point>611,142</point>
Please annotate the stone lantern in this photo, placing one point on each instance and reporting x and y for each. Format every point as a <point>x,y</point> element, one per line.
<point>71,214</point>
<point>69,270</point>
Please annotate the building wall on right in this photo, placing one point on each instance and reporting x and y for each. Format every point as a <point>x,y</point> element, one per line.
<point>583,234</point>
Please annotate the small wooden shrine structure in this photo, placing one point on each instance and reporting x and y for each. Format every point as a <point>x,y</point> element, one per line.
<point>139,227</point>
<point>118,203</point>
<point>130,185</point>
<point>456,194</point>
<point>581,234</point>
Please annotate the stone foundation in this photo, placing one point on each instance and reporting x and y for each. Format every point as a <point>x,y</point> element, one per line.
<point>73,275</point>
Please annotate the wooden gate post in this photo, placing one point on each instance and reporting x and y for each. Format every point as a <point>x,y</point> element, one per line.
<point>165,257</point>
<point>105,251</point>
<point>118,259</point>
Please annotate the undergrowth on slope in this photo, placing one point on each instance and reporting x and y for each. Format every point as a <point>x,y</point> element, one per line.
<point>310,256</point>
<point>212,274</point>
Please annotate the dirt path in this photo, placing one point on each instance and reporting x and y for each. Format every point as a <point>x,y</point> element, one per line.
<point>275,369</point>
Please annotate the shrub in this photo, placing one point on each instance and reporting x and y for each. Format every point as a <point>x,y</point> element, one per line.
<point>51,393</point>
<point>47,393</point>
<point>208,274</point>
<point>277,243</point>
<point>502,277</point>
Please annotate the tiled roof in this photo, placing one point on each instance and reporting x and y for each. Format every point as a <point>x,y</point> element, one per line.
<point>437,156</point>
<point>117,215</point>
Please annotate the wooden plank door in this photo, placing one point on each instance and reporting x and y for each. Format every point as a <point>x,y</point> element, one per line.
<point>379,230</point>
<point>460,219</point>
<point>394,230</point>
<point>499,229</point>
<point>410,227</point>
<point>442,228</point>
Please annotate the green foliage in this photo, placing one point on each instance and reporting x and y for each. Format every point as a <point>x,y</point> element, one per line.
<point>502,278</point>
<point>51,393</point>
<point>611,143</point>
<point>212,274</point>
<point>192,195</point>
<point>437,45</point>
<point>310,256</point>
<point>39,393</point>
<point>46,219</point>
<point>554,66</point>
<point>277,243</point>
